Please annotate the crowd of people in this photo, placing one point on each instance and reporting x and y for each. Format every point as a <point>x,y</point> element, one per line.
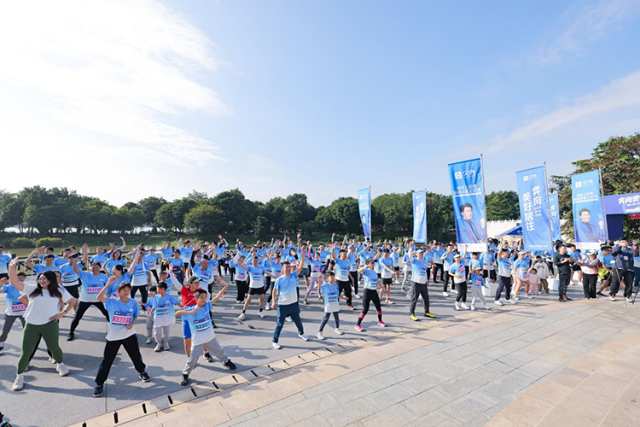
<point>183,282</point>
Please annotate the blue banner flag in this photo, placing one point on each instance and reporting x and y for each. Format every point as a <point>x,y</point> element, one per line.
<point>554,213</point>
<point>420,216</point>
<point>534,209</point>
<point>364,206</point>
<point>588,210</point>
<point>467,192</point>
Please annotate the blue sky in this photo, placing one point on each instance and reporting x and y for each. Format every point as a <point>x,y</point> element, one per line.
<point>123,100</point>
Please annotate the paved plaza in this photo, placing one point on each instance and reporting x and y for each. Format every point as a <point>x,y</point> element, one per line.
<point>536,363</point>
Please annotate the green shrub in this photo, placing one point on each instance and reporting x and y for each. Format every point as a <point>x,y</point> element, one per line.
<point>55,242</point>
<point>21,243</point>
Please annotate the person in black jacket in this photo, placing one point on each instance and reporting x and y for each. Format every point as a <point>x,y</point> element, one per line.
<point>623,269</point>
<point>562,261</point>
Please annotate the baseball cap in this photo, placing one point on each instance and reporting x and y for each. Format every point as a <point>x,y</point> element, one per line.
<point>592,252</point>
<point>457,256</point>
<point>193,279</point>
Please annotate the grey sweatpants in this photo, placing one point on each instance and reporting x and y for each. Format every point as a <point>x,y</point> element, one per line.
<point>212,346</point>
<point>476,292</point>
<point>150,328</point>
<point>162,334</point>
<point>8,324</point>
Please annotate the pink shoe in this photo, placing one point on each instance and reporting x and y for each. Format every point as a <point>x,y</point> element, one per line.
<point>381,323</point>
<point>358,328</point>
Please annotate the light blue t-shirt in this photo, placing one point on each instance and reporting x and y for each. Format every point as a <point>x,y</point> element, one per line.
<point>14,306</point>
<point>287,289</point>
<point>120,315</point>
<point>200,325</point>
<point>419,271</point>
<point>164,312</point>
<point>370,279</point>
<point>4,262</point>
<point>91,285</point>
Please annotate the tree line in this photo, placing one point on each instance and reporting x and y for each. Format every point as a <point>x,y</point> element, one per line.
<point>41,211</point>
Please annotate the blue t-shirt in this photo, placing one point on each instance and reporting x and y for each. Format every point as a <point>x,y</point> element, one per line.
<point>164,312</point>
<point>287,289</point>
<point>91,285</point>
<point>477,280</point>
<point>419,271</point>
<point>386,262</point>
<point>275,269</point>
<point>176,262</point>
<point>257,276</point>
<point>101,258</point>
<point>14,306</point>
<point>113,289</point>
<point>437,254</point>
<point>504,267</point>
<point>522,264</point>
<point>185,254</point>
<point>151,260</point>
<point>407,260</point>
<point>342,270</point>
<point>370,279</point>
<point>40,268</point>
<point>166,253</point>
<point>204,275</point>
<point>448,261</point>
<point>353,261</point>
<point>200,325</point>
<point>323,256</point>
<point>4,262</point>
<point>110,263</point>
<point>69,275</point>
<point>120,315</point>
<point>330,294</point>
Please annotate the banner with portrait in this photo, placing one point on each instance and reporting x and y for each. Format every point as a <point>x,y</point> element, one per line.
<point>467,191</point>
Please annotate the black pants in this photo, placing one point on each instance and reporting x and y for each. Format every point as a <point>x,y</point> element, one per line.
<point>144,292</point>
<point>447,277</point>
<point>155,275</point>
<point>419,289</point>
<point>232,272</point>
<point>353,279</point>
<point>243,288</point>
<point>617,276</point>
<point>370,295</point>
<point>462,292</point>
<point>267,284</point>
<point>438,267</point>
<point>82,308</point>
<point>504,283</point>
<point>345,286</point>
<point>589,285</point>
<point>563,283</point>
<point>130,344</point>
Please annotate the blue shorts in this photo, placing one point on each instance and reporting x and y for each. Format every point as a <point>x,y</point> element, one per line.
<point>186,330</point>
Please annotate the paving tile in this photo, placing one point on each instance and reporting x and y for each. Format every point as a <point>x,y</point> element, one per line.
<point>467,407</point>
<point>528,410</point>
<point>569,377</point>
<point>426,402</point>
<point>315,421</point>
<point>419,383</point>
<point>347,414</point>
<point>395,415</point>
<point>436,419</point>
<point>388,396</point>
<point>549,391</point>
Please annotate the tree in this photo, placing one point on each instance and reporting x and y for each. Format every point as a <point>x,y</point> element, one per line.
<point>395,210</point>
<point>131,217</point>
<point>239,213</point>
<point>260,227</point>
<point>198,196</point>
<point>440,219</point>
<point>342,215</point>
<point>11,210</point>
<point>150,206</point>
<point>502,205</point>
<point>204,220</point>
<point>165,218</point>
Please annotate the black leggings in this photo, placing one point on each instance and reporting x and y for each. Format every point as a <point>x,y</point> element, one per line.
<point>462,292</point>
<point>447,277</point>
<point>436,268</point>
<point>232,272</point>
<point>155,274</point>
<point>589,285</point>
<point>82,308</point>
<point>353,279</point>
<point>144,292</point>
<point>243,288</point>
<point>370,295</point>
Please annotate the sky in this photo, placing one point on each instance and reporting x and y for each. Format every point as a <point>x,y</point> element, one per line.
<point>125,99</point>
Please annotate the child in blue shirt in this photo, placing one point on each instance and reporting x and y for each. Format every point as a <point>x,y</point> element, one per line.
<point>148,308</point>
<point>330,293</point>
<point>477,286</point>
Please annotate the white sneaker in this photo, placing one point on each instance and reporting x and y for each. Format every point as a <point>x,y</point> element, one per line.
<point>166,346</point>
<point>627,299</point>
<point>338,331</point>
<point>261,314</point>
<point>457,307</point>
<point>463,305</point>
<point>320,336</point>
<point>486,307</point>
<point>242,316</point>
<point>497,302</point>
<point>510,301</point>
<point>453,291</point>
<point>445,294</point>
<point>473,307</point>
<point>158,348</point>
<point>357,296</point>
<point>52,360</point>
<point>516,298</point>
<point>276,345</point>
<point>62,369</point>
<point>149,340</point>
<point>304,337</point>
<point>268,307</point>
<point>18,383</point>
<point>529,296</point>
<point>288,320</point>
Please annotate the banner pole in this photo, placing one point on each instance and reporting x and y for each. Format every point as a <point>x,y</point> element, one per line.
<point>546,184</point>
<point>370,216</point>
<point>426,230</point>
<point>484,198</point>
<point>604,208</point>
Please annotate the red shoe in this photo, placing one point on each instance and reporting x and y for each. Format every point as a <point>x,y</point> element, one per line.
<point>381,323</point>
<point>358,328</point>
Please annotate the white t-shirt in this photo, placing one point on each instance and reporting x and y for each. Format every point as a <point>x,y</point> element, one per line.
<point>42,307</point>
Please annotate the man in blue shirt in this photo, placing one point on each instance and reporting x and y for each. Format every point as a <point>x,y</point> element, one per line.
<point>285,293</point>
<point>437,262</point>
<point>623,270</point>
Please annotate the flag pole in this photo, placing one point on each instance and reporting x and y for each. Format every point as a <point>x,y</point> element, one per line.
<point>604,209</point>
<point>546,184</point>
<point>484,198</point>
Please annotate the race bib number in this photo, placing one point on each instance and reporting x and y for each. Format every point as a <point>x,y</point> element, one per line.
<point>18,307</point>
<point>202,325</point>
<point>93,289</point>
<point>121,318</point>
<point>149,309</point>
<point>162,309</point>
<point>332,297</point>
<point>525,275</point>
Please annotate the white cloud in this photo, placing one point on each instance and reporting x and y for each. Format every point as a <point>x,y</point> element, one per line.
<point>111,72</point>
<point>587,24</point>
<point>612,110</point>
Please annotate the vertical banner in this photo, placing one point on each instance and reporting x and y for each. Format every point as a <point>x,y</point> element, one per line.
<point>420,216</point>
<point>588,210</point>
<point>554,212</point>
<point>534,209</point>
<point>467,191</point>
<point>364,206</point>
